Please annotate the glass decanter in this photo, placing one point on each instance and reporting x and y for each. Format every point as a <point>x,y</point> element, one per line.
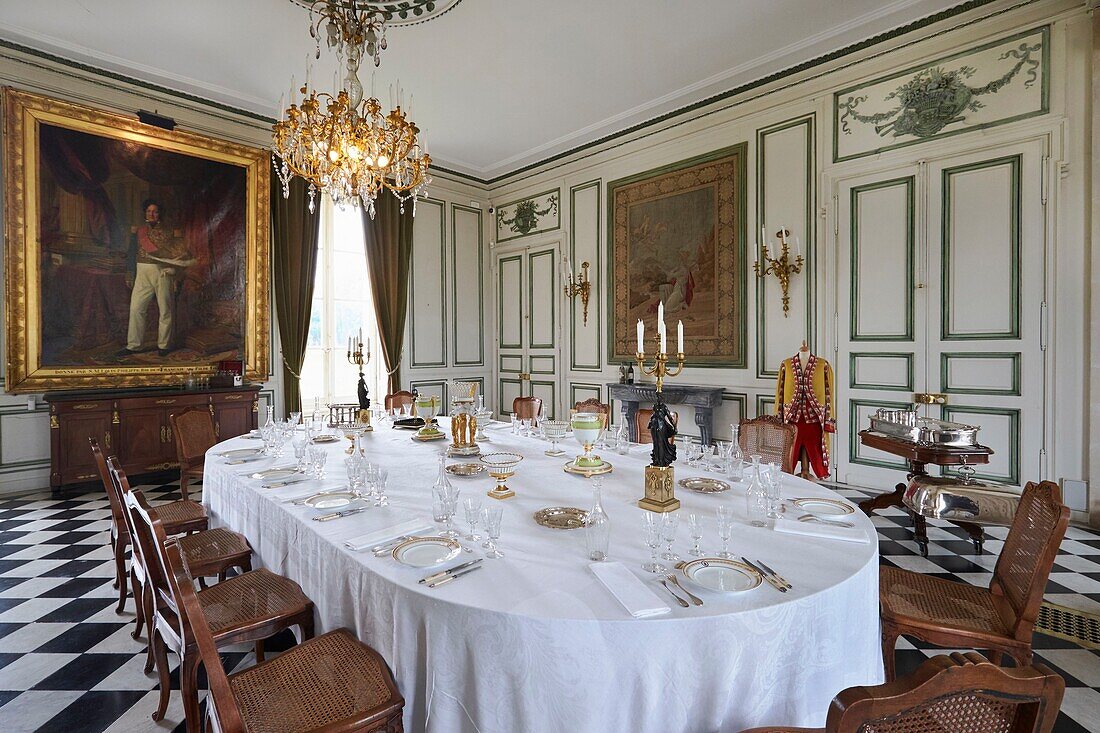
<point>442,485</point>
<point>756,496</point>
<point>735,460</point>
<point>597,525</point>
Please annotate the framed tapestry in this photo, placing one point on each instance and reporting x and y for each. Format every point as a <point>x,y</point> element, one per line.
<point>134,254</point>
<point>677,235</point>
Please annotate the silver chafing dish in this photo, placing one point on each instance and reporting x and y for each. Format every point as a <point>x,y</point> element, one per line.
<point>962,499</point>
<point>908,425</point>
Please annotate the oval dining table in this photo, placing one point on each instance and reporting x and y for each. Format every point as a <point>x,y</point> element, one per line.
<point>533,641</point>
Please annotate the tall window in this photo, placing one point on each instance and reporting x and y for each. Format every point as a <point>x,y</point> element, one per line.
<point>341,306</point>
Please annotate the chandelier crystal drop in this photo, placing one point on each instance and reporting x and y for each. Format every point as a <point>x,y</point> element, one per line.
<point>343,144</point>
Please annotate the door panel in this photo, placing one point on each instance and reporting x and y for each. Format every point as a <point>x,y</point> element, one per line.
<point>143,436</point>
<point>74,454</point>
<point>881,260</point>
<point>231,420</point>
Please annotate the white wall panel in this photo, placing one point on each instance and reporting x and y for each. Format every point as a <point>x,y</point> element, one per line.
<point>427,287</point>
<point>586,341</point>
<point>882,261</point>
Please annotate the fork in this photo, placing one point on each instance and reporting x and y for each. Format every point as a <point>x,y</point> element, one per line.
<point>679,600</point>
<point>694,598</point>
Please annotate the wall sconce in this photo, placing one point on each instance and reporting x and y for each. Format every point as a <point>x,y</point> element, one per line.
<point>575,286</point>
<point>779,266</point>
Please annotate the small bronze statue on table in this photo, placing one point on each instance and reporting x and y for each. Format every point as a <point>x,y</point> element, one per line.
<point>659,489</point>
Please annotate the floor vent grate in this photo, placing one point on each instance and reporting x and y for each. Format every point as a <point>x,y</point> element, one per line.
<point>1070,624</point>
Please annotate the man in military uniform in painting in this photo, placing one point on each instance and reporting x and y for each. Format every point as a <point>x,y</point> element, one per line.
<point>149,275</point>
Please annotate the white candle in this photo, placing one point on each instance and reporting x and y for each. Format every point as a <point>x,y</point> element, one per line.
<point>360,335</point>
<point>763,238</point>
<point>783,234</point>
<point>798,246</point>
<point>641,337</point>
<point>664,347</point>
<point>368,347</point>
<point>679,337</point>
<point>661,317</point>
<point>349,345</point>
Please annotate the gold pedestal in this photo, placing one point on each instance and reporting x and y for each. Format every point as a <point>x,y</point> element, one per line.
<point>659,490</point>
<point>364,420</point>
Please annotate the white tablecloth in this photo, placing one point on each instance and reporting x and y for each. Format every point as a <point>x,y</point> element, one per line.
<point>533,641</point>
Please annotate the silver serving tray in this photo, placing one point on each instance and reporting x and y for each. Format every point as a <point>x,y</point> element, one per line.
<point>961,500</point>
<point>929,430</point>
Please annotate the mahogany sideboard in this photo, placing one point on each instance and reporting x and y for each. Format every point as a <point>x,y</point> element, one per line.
<point>134,426</point>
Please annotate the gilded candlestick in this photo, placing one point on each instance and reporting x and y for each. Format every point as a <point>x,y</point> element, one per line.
<point>781,267</point>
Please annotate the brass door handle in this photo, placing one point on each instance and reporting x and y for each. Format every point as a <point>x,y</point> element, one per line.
<point>929,398</point>
<point>169,434</point>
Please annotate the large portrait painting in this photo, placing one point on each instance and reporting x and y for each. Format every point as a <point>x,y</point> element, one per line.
<point>677,235</point>
<point>135,255</point>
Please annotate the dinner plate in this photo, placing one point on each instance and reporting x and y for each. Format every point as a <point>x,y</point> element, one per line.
<point>704,485</point>
<point>425,552</point>
<point>325,439</point>
<point>333,500</point>
<point>275,474</point>
<point>724,576</point>
<point>561,517</point>
<point>240,453</point>
<point>824,507</point>
<point>464,469</point>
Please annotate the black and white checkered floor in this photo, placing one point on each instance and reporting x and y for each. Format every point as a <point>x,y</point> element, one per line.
<point>68,664</point>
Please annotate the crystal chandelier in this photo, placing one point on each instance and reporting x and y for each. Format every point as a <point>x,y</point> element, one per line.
<point>341,143</point>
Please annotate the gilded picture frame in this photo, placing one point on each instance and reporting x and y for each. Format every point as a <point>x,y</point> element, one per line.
<point>676,235</point>
<point>85,191</point>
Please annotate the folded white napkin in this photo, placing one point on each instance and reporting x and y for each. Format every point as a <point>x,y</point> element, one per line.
<point>821,529</point>
<point>392,532</point>
<point>628,589</point>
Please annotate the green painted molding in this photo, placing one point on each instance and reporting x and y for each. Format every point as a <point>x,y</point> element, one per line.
<point>595,277</point>
<point>762,403</point>
<point>502,368</point>
<point>741,149</point>
<point>853,433</point>
<point>501,343</point>
<point>909,379</point>
<point>455,210</point>
<point>1013,356</point>
<point>910,236</point>
<point>551,406</point>
<point>506,409</point>
<point>1015,162</point>
<point>1044,32</point>
<point>531,362</point>
<point>810,235</point>
<point>574,387</point>
<point>1013,415</point>
<point>443,389</point>
<point>413,363</point>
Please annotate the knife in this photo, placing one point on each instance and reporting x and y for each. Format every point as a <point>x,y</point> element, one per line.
<point>337,515</point>
<point>767,576</point>
<point>385,547</point>
<point>778,577</point>
<point>439,576</point>
<point>449,578</point>
<point>265,472</point>
<point>281,484</point>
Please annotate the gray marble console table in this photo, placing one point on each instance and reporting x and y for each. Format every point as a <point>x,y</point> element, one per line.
<point>703,399</point>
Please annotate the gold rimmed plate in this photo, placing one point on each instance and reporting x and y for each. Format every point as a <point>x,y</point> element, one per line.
<point>331,500</point>
<point>242,454</point>
<point>704,485</point>
<point>720,575</point>
<point>275,474</point>
<point>425,552</point>
<point>465,469</point>
<point>561,517</point>
<point>823,507</point>
<point>326,438</point>
<point>588,471</point>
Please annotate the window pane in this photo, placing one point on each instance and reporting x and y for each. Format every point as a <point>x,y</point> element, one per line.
<point>347,230</point>
<point>350,274</point>
<point>316,314</point>
<point>313,378</point>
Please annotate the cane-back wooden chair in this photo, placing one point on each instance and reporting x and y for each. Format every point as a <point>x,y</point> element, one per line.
<point>770,438</point>
<point>527,408</point>
<point>1000,618</point>
<point>195,433</point>
<point>180,516</point>
<point>961,693</point>
<point>245,608</point>
<point>333,683</point>
<point>641,424</point>
<point>594,405</point>
<point>400,399</point>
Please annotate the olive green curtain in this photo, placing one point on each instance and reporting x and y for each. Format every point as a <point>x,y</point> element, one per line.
<point>294,234</point>
<point>389,243</point>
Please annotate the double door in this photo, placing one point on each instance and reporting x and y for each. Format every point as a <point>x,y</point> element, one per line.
<point>940,268</point>
<point>528,291</point>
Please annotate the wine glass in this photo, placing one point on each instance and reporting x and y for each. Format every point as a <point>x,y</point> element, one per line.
<point>525,427</point>
<point>695,526</point>
<point>651,533</point>
<point>725,530</point>
<point>317,458</point>
<point>492,516</point>
<point>472,507</point>
<point>669,523</point>
<point>295,418</point>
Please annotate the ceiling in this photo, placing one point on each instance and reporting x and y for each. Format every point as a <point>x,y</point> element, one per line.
<point>495,84</point>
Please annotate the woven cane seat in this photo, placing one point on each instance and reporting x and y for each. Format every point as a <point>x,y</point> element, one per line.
<point>917,599</point>
<point>213,547</point>
<point>250,598</point>
<point>325,680</point>
<point>178,516</point>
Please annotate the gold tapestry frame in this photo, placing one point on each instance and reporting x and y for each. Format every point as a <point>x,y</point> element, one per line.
<point>23,112</point>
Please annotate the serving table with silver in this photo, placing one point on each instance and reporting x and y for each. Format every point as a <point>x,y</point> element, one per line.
<point>534,641</point>
<point>703,399</point>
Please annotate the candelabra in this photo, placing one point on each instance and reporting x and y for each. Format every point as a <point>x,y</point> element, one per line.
<point>358,358</point>
<point>660,368</point>
<point>660,495</point>
<point>579,286</point>
<point>780,266</point>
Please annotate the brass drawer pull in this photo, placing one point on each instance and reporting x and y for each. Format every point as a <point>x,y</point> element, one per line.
<point>165,402</point>
<point>86,406</point>
<point>107,439</point>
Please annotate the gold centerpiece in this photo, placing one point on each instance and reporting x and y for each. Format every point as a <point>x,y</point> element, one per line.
<point>502,466</point>
<point>463,419</point>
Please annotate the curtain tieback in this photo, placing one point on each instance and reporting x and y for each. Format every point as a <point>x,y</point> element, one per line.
<point>286,365</point>
<point>391,371</point>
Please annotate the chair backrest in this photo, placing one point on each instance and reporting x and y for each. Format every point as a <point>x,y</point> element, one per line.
<point>1020,575</point>
<point>221,703</point>
<point>960,692</point>
<point>194,433</point>
<point>150,537</point>
<point>641,424</point>
<point>594,405</point>
<point>118,508</point>
<point>527,408</point>
<point>121,486</point>
<point>770,438</point>
<point>397,400</point>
